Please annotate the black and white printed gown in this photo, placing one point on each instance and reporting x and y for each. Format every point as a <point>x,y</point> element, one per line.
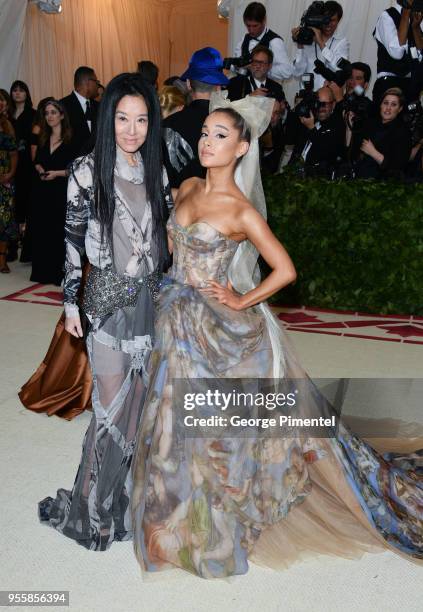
<point>97,510</point>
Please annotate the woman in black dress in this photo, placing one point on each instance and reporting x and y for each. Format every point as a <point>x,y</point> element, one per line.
<point>54,154</point>
<point>23,115</point>
<point>386,141</point>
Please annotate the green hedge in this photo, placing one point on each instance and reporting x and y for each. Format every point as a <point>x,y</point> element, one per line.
<point>356,245</point>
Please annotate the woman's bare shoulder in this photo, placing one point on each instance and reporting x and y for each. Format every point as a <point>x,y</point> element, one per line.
<point>241,204</point>
<point>187,188</point>
<point>191,183</point>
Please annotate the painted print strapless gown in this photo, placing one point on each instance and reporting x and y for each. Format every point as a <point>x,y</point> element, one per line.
<point>209,505</point>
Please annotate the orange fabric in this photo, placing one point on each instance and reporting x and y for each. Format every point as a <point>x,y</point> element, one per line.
<point>194,25</point>
<point>112,36</point>
<point>62,383</point>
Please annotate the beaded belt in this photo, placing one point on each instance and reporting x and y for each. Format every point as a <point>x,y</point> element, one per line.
<point>105,291</point>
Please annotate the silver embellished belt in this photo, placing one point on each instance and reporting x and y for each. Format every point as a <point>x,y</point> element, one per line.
<point>105,291</point>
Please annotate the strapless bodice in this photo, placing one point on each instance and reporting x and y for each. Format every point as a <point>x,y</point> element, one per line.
<point>200,253</point>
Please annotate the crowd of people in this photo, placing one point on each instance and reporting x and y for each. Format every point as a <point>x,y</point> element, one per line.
<point>332,130</point>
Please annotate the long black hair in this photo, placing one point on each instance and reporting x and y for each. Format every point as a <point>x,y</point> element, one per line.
<point>130,84</point>
<point>21,85</point>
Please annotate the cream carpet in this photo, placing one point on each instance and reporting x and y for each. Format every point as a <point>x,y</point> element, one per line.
<point>40,454</point>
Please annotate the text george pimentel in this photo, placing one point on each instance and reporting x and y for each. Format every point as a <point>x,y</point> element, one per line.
<point>263,423</point>
<point>270,401</point>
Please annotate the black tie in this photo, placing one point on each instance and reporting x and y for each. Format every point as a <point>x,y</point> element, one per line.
<point>88,111</point>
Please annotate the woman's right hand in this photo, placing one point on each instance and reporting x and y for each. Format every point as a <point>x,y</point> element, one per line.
<point>73,326</point>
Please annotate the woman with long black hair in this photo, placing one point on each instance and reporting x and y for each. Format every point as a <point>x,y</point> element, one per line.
<point>116,215</point>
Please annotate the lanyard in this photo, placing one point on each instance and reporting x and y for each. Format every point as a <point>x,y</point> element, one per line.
<point>254,84</point>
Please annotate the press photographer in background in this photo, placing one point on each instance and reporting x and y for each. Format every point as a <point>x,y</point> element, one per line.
<point>276,143</point>
<point>357,108</point>
<point>399,40</point>
<point>320,144</point>
<point>357,86</point>
<point>316,39</point>
<point>385,141</point>
<point>259,34</point>
<point>257,82</point>
<point>414,121</point>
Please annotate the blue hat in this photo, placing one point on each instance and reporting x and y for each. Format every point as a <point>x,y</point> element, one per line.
<point>206,65</point>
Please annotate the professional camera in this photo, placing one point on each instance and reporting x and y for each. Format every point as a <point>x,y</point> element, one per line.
<point>237,62</point>
<point>314,17</point>
<point>413,119</point>
<point>357,103</point>
<point>307,83</point>
<point>309,104</point>
<point>308,100</point>
<point>339,76</point>
<point>416,7</point>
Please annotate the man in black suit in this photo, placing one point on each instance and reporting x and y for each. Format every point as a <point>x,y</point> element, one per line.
<point>257,83</point>
<point>182,130</point>
<point>82,109</point>
<point>320,142</point>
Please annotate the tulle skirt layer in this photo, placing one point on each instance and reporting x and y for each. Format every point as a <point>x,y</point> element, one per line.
<point>209,503</point>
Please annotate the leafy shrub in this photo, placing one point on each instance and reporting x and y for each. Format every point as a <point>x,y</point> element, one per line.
<point>356,245</point>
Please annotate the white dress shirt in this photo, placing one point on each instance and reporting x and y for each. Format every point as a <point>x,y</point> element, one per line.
<point>83,102</point>
<point>260,84</point>
<point>387,34</point>
<point>282,65</point>
<point>335,48</point>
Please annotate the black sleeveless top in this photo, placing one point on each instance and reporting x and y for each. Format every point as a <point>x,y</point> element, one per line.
<point>386,63</point>
<point>265,41</point>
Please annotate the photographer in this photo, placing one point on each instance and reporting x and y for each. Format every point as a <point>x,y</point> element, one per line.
<point>257,83</point>
<point>320,141</point>
<point>414,122</point>
<point>361,74</point>
<point>258,34</point>
<point>325,46</point>
<point>386,142</point>
<point>357,108</point>
<point>399,50</point>
<point>276,139</point>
